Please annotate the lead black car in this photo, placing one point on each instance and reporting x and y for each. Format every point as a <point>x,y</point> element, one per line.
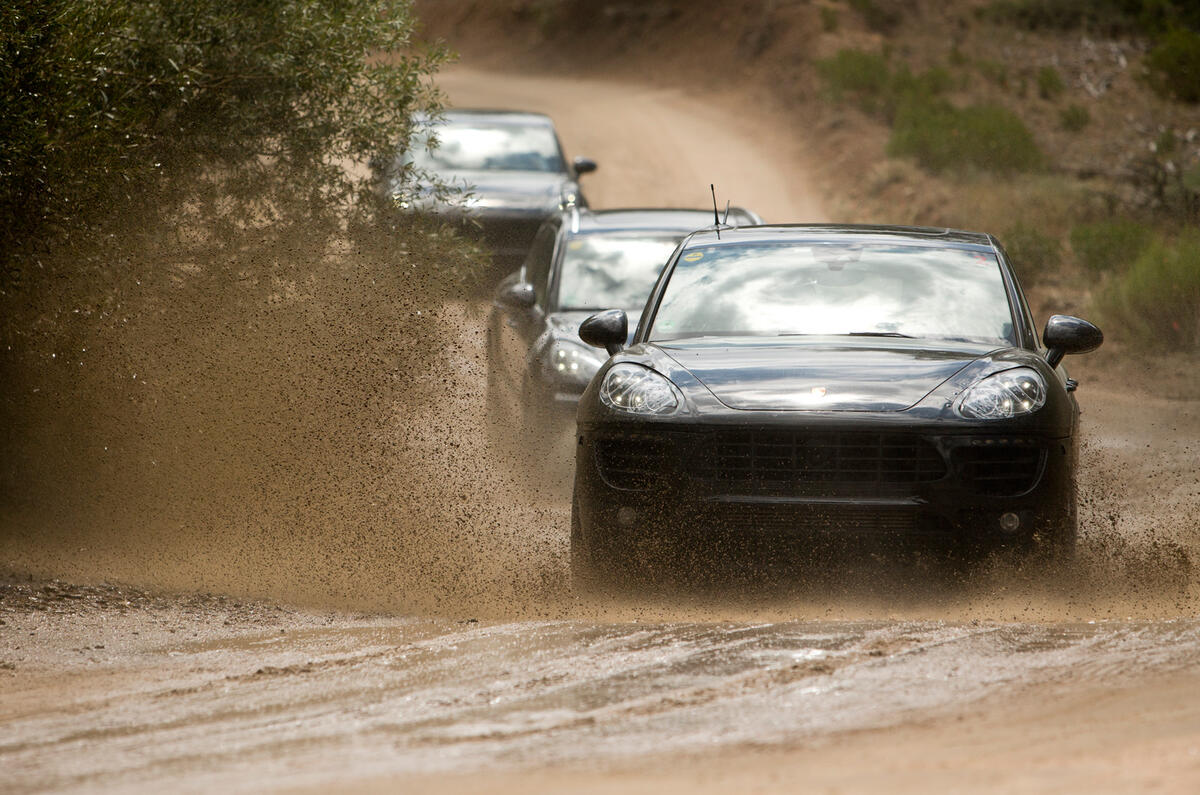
<point>807,382</point>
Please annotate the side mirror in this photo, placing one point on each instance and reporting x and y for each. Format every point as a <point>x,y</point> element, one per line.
<point>519,295</point>
<point>1065,334</point>
<point>584,165</point>
<point>607,330</point>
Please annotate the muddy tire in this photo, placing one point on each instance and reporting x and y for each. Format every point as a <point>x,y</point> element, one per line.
<point>497,416</point>
<point>585,578</point>
<point>597,569</point>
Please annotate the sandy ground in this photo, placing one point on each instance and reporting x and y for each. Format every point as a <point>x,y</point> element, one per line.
<point>859,678</point>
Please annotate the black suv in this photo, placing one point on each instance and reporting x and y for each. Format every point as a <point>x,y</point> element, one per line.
<point>581,261</point>
<point>508,170</point>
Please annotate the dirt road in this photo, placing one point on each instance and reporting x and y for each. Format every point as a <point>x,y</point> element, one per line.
<point>659,147</point>
<point>857,679</point>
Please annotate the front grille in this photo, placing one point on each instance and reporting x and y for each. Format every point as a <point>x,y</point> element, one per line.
<point>807,518</point>
<point>783,461</point>
<point>633,462</point>
<point>1000,467</point>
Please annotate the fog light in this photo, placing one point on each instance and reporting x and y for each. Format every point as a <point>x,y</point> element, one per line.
<point>1009,522</point>
<point>626,516</point>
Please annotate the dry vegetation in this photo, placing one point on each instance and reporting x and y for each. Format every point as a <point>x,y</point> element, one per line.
<point>1069,129</point>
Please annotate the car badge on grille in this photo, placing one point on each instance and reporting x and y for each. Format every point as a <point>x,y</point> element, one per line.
<point>818,391</point>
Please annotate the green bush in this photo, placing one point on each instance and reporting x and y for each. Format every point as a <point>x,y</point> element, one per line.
<point>1101,17</point>
<point>104,100</point>
<point>868,80</point>
<point>936,80</point>
<point>944,138</point>
<point>1031,251</point>
<point>862,75</point>
<point>1109,245</point>
<point>1074,118</point>
<point>1156,303</point>
<point>1173,67</point>
<point>829,19</point>
<point>993,71</point>
<point>1049,83</point>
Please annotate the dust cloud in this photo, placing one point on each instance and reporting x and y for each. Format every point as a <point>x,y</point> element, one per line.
<point>310,428</point>
<point>299,427</point>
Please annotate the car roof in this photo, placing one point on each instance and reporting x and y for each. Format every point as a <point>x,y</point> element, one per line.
<point>786,233</point>
<point>515,117</point>
<point>645,218</point>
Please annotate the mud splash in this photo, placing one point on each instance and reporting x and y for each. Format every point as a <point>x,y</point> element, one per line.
<point>433,523</point>
<point>298,448</point>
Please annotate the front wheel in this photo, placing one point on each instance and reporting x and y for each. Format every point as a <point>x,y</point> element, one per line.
<point>598,568</point>
<point>585,579</point>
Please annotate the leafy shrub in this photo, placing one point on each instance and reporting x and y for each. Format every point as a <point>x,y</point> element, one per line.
<point>104,99</point>
<point>1031,251</point>
<point>936,80</point>
<point>1167,143</point>
<point>993,71</point>
<point>1074,118</point>
<point>1173,67</point>
<point>1100,17</point>
<point>1049,83</point>
<point>867,78</point>
<point>829,19</point>
<point>943,138</point>
<point>863,75</point>
<point>1156,303</point>
<point>1050,14</point>
<point>904,87</point>
<point>1109,245</point>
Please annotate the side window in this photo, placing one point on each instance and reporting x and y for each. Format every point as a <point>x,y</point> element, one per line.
<point>537,264</point>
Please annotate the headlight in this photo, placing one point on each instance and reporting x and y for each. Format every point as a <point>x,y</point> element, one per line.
<point>1004,395</point>
<point>639,390</point>
<point>572,362</point>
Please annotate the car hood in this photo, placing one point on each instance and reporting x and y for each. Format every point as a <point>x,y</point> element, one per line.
<point>821,373</point>
<point>511,191</point>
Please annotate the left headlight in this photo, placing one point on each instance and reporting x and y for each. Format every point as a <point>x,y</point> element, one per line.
<point>1011,393</point>
<point>571,362</point>
<point>633,389</point>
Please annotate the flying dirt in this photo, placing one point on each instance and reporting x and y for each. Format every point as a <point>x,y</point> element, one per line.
<point>439,647</point>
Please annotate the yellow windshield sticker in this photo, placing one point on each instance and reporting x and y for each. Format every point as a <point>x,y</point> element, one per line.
<point>575,245</point>
<point>695,256</point>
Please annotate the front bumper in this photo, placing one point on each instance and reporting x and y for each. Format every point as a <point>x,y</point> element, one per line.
<point>697,485</point>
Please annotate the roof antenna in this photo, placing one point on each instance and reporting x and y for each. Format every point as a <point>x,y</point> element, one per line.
<point>716,216</point>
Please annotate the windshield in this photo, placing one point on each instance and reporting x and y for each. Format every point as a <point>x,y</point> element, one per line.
<point>612,271</point>
<point>835,289</point>
<point>490,146</point>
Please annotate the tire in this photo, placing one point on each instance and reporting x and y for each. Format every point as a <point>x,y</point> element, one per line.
<point>496,417</point>
<point>1052,548</point>
<point>585,579</point>
<point>597,569</point>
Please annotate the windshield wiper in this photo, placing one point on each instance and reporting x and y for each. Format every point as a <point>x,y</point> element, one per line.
<point>879,334</point>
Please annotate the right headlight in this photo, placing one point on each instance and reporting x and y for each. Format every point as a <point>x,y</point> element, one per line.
<point>1004,395</point>
<point>633,389</point>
